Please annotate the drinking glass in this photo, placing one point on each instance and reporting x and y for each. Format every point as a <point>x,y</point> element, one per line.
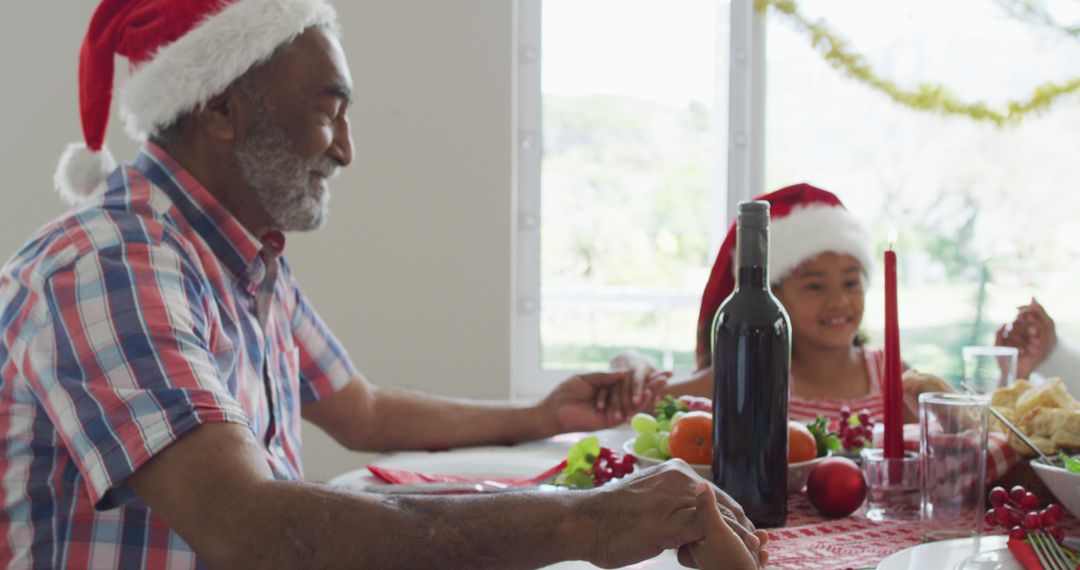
<point>952,446</point>
<point>987,368</point>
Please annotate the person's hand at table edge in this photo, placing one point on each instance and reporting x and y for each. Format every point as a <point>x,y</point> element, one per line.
<point>721,548</point>
<point>655,510</point>
<point>214,487</point>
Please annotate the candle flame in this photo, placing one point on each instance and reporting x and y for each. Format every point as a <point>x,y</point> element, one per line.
<point>892,238</point>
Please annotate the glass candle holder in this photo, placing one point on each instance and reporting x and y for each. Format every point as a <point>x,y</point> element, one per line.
<point>892,485</point>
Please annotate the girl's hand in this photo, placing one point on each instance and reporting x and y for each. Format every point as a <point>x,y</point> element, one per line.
<point>641,367</point>
<point>916,383</point>
<point>721,548</point>
<point>637,392</point>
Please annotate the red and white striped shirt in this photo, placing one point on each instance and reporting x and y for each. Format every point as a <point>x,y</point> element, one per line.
<point>805,410</point>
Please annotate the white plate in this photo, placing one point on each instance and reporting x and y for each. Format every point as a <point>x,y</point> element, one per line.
<point>470,462</point>
<point>976,553</point>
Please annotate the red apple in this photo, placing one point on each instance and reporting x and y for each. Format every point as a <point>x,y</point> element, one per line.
<point>836,487</point>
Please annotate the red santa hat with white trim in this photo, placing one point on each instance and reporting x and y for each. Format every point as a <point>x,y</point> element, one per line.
<point>804,222</point>
<point>182,53</point>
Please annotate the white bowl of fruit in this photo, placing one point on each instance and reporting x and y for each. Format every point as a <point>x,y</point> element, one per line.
<point>679,429</point>
<point>682,429</point>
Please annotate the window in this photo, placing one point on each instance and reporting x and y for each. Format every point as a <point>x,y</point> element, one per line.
<point>986,215</point>
<point>624,160</point>
<point>625,126</point>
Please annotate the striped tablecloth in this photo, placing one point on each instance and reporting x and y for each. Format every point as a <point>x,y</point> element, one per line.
<point>810,541</point>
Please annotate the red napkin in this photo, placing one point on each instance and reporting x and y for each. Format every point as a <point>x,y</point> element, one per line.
<point>1023,552</point>
<point>400,476</point>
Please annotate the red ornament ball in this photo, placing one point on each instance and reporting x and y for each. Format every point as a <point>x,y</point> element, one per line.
<point>836,487</point>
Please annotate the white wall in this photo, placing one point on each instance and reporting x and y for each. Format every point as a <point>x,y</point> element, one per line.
<point>413,271</point>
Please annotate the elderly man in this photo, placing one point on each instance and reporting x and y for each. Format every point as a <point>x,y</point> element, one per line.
<point>156,354</point>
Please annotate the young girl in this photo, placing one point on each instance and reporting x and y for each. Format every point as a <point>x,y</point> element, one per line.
<point>819,262</point>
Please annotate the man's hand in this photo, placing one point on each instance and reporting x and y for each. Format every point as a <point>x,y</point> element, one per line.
<point>643,514</point>
<point>1032,333</point>
<point>721,548</point>
<point>571,406</point>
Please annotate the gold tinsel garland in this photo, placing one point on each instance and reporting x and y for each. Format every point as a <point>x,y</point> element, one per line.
<point>1034,12</point>
<point>926,96</point>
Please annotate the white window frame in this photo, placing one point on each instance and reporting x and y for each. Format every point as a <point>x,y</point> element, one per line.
<point>746,160</point>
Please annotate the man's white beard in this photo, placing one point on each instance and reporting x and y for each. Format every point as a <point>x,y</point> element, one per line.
<point>284,183</point>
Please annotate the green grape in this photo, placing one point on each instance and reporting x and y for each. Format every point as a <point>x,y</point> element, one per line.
<point>643,442</point>
<point>643,424</point>
<point>662,443</point>
<point>653,453</point>
<point>676,417</point>
<point>663,425</point>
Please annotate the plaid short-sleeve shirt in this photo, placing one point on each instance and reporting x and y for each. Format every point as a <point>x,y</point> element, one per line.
<point>123,325</point>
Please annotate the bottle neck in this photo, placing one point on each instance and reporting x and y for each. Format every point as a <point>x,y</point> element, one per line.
<point>753,259</point>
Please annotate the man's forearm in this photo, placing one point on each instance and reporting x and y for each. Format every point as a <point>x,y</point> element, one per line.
<point>404,419</point>
<point>301,525</point>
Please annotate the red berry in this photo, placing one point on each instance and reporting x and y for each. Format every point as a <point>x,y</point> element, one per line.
<point>1058,533</point>
<point>1031,521</point>
<point>864,416</point>
<point>1017,533</point>
<point>1017,493</point>
<point>998,496</point>
<point>1029,502</point>
<point>991,517</point>
<point>845,412</point>
<point>1055,508</point>
<point>1047,518</point>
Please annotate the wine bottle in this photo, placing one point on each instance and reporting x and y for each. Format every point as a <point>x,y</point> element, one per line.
<point>751,359</point>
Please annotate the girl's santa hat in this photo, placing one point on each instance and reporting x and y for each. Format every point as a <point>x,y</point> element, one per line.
<point>182,53</point>
<point>804,222</point>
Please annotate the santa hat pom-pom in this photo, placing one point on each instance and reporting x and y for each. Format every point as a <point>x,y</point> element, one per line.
<point>81,171</point>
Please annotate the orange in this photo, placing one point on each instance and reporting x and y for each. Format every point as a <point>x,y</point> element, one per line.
<point>801,443</point>
<point>691,438</point>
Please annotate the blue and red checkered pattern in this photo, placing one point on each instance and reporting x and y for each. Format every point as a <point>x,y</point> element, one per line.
<point>124,324</point>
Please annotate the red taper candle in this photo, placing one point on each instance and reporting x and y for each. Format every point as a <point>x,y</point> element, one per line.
<point>894,392</point>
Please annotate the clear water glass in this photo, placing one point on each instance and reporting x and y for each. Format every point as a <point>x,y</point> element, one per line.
<point>987,368</point>
<point>952,449</point>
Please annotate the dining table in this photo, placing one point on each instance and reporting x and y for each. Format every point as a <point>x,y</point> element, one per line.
<point>808,540</point>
